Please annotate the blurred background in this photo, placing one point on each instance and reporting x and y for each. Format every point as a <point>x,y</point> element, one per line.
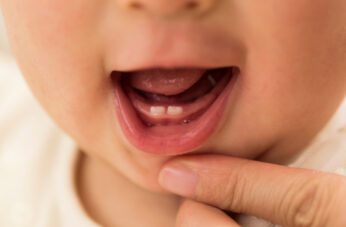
<point>3,40</point>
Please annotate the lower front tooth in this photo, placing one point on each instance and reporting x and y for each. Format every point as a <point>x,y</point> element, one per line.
<point>174,110</point>
<point>157,110</point>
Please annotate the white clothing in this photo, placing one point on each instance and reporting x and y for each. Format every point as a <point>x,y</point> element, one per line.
<point>37,161</point>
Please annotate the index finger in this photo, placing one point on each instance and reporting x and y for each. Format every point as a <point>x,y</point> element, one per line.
<point>282,195</point>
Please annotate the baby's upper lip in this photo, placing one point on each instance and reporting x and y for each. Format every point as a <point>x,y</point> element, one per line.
<point>185,47</point>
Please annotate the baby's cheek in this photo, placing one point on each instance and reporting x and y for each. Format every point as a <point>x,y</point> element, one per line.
<point>55,44</point>
<point>52,24</point>
<point>54,37</point>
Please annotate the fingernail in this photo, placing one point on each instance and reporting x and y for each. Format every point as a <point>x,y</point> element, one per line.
<point>179,179</point>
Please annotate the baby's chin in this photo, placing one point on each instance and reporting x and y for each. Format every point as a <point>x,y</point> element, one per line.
<point>143,169</point>
<point>144,174</point>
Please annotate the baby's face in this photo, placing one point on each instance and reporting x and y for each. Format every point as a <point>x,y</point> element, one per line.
<point>288,62</point>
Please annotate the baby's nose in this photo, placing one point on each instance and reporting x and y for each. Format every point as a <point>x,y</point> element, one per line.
<point>169,8</point>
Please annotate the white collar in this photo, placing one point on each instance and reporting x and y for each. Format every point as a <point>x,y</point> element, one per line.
<point>327,152</point>
<point>72,212</point>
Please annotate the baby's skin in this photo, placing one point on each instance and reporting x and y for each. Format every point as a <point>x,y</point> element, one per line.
<point>290,59</point>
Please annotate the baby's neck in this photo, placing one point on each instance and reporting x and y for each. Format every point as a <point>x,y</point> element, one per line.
<point>111,200</point>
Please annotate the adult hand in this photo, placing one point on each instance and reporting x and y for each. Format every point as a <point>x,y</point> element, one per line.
<point>286,196</point>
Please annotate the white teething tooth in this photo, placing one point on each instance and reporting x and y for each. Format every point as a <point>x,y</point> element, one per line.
<point>174,110</point>
<point>157,110</point>
<point>186,121</point>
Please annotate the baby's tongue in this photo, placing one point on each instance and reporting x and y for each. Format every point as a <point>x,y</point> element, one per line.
<point>165,81</point>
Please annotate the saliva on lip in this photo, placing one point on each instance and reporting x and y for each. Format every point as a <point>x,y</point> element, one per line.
<point>149,124</point>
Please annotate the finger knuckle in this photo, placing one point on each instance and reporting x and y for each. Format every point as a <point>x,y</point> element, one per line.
<point>236,189</point>
<point>309,203</point>
<point>218,194</point>
<point>235,186</point>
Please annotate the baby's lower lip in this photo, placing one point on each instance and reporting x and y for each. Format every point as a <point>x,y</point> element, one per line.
<point>176,123</point>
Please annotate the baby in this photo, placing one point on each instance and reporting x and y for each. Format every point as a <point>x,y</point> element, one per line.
<point>135,83</point>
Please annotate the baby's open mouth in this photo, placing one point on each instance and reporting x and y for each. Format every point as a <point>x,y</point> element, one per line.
<point>171,111</point>
<point>168,97</point>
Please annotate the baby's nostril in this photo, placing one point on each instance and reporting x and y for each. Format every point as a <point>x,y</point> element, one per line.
<point>135,5</point>
<point>191,5</point>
